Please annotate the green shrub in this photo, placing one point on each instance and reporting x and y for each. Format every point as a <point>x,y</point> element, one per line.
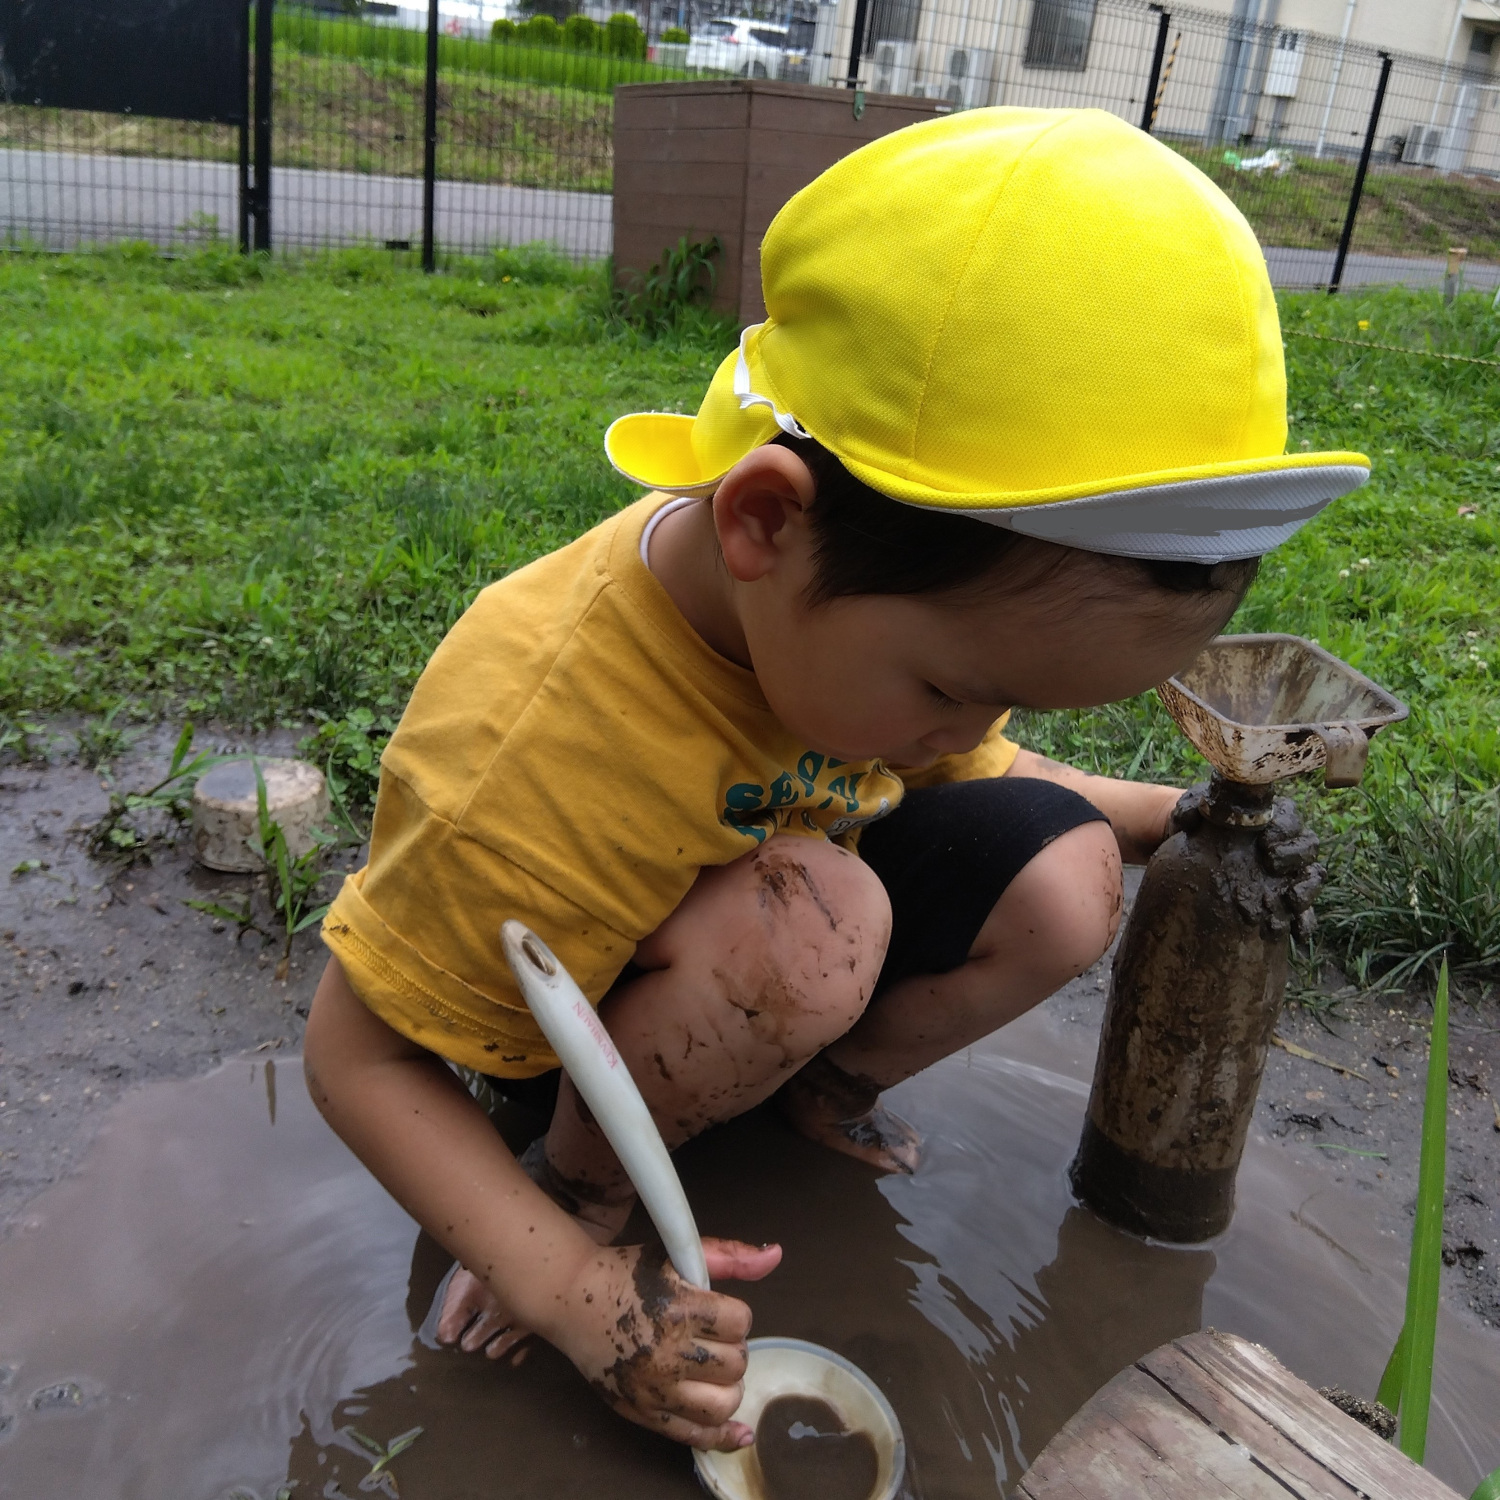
<point>675,34</point>
<point>540,31</point>
<point>582,34</point>
<point>623,36</point>
<point>504,30</point>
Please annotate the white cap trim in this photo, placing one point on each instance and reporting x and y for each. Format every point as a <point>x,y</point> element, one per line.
<point>1194,520</point>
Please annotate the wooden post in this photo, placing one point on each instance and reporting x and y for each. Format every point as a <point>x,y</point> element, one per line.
<point>1453,277</point>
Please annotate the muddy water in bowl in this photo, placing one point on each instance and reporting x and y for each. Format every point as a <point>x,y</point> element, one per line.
<point>806,1451</point>
<point>823,1431</point>
<point>218,1305</point>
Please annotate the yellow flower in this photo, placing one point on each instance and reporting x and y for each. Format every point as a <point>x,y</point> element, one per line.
<point>1364,323</point>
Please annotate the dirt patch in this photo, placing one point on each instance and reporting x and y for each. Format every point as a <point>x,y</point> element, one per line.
<point>107,979</point>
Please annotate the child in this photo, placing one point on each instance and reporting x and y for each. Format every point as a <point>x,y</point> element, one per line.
<point>1012,434</point>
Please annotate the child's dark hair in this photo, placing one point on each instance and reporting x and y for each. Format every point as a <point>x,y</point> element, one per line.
<point>866,543</point>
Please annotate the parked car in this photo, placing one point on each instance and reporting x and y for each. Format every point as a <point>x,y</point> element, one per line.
<point>740,46</point>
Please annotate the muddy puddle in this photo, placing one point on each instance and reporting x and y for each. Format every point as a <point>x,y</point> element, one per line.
<point>221,1303</point>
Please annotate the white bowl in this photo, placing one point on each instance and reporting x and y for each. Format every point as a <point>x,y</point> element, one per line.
<point>793,1367</point>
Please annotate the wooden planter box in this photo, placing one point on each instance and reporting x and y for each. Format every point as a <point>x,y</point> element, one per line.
<point>700,159</point>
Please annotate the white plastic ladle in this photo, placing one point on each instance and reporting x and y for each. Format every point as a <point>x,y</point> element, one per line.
<point>776,1366</point>
<point>588,1056</point>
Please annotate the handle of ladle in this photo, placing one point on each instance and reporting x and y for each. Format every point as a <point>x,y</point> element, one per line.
<point>1346,747</point>
<point>599,1073</point>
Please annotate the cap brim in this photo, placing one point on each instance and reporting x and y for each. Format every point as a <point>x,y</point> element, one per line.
<point>1211,519</point>
<point>655,449</point>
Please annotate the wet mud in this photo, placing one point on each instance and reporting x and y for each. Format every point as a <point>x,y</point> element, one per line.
<point>804,1451</point>
<point>221,1302</point>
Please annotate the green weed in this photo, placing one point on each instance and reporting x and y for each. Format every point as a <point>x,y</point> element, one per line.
<point>380,1476</point>
<point>683,279</point>
<point>1414,881</point>
<point>1406,1385</point>
<point>138,822</point>
<point>292,882</point>
<point>100,742</point>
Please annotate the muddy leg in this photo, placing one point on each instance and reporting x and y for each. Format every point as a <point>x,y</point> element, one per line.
<point>1054,920</point>
<point>765,963</point>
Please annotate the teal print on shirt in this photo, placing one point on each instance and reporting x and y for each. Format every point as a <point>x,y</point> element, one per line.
<point>758,811</point>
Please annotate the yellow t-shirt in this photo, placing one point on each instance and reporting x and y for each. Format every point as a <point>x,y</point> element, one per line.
<point>571,756</point>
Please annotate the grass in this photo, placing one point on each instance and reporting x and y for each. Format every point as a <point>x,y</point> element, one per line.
<point>260,493</point>
<point>1404,210</point>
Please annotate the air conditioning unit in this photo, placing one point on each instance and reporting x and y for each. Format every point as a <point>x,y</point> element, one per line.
<point>1284,71</point>
<point>892,67</point>
<point>1423,142</point>
<point>964,81</point>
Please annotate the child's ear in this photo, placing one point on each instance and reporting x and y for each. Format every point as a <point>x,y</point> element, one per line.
<point>760,510</point>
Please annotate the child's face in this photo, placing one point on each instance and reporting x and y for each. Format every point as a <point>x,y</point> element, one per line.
<point>910,678</point>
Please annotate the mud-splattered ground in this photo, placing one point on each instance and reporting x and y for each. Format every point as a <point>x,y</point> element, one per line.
<point>107,979</point>
<point>110,981</point>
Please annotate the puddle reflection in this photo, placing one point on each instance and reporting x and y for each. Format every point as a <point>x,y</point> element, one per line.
<point>244,1308</point>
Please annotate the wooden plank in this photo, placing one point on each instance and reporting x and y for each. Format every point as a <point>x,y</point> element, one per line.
<point>1300,1472</point>
<point>832,114</point>
<point>1132,1440</point>
<point>1207,1462</point>
<point>1257,1378</point>
<point>685,111</point>
<point>669,143</point>
<point>698,181</point>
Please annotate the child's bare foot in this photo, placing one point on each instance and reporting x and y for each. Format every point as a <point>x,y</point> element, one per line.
<point>841,1111</point>
<point>472,1316</point>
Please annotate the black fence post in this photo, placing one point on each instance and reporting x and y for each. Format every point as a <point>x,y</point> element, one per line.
<point>261,194</point>
<point>1337,278</point>
<point>857,46</point>
<point>429,143</point>
<point>1148,114</point>
<point>244,177</point>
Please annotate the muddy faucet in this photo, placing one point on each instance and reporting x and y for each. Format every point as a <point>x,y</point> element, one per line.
<point>1201,971</point>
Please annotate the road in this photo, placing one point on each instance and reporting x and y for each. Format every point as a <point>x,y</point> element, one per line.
<point>62,200</point>
<point>1311,268</point>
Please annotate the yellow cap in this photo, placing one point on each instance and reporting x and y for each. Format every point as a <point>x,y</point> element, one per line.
<point>1041,318</point>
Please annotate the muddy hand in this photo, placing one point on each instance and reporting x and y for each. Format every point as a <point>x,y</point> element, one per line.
<point>1288,852</point>
<point>660,1351</point>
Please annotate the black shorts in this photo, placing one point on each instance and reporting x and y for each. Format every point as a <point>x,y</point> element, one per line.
<point>945,857</point>
<point>947,854</point>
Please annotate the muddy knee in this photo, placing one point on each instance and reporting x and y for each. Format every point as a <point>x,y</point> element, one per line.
<point>791,936</point>
<point>822,922</point>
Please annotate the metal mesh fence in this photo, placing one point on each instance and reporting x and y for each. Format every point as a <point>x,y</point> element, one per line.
<point>524,115</point>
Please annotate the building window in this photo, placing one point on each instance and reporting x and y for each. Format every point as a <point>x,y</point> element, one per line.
<point>1482,42</point>
<point>1060,33</point>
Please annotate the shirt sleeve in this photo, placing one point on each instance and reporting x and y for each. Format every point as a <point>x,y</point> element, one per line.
<point>418,934</point>
<point>992,756</point>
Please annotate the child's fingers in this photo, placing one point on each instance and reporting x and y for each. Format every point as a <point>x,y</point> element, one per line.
<point>721,1363</point>
<point>707,1405</point>
<point>724,1436</point>
<point>714,1317</point>
<point>733,1260</point>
